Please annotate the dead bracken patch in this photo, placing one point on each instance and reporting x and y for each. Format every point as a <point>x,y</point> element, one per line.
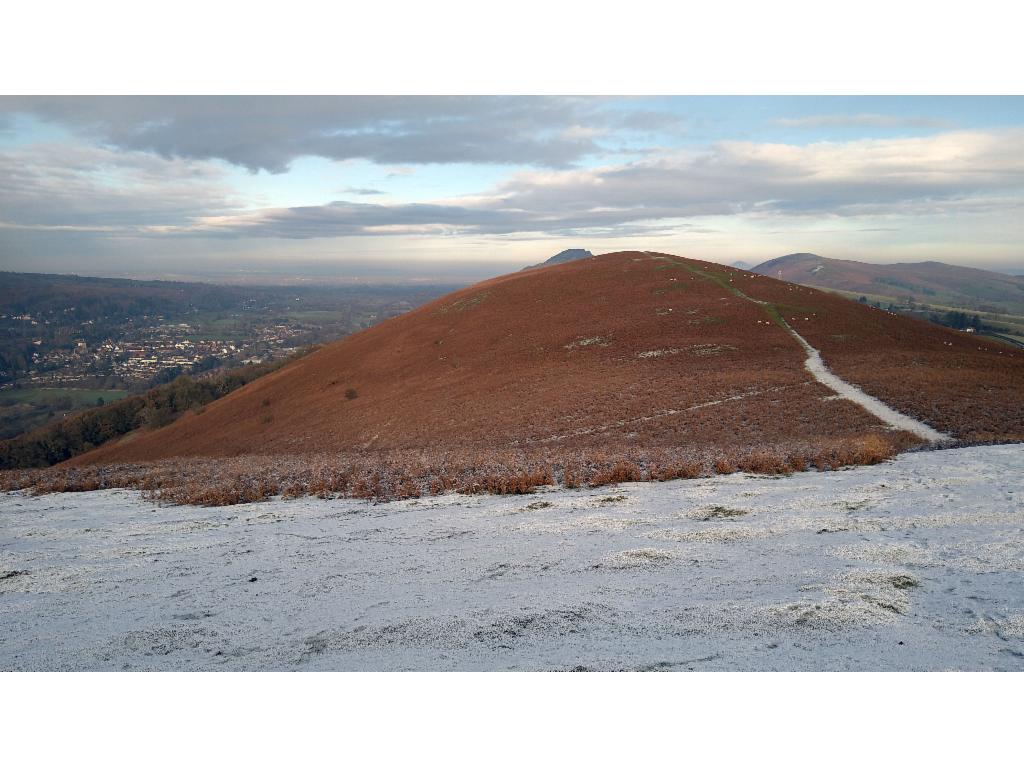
<point>462,304</point>
<point>403,474</point>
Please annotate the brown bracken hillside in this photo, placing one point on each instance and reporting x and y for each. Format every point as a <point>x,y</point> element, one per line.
<point>929,282</point>
<point>631,350</point>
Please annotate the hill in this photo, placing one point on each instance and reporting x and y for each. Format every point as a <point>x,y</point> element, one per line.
<point>930,282</point>
<point>627,366</point>
<point>570,254</point>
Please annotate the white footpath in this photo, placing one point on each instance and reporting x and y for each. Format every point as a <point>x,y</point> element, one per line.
<point>915,564</point>
<point>896,420</point>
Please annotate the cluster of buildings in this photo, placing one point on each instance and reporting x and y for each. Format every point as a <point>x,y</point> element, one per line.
<point>62,347</point>
<point>142,354</point>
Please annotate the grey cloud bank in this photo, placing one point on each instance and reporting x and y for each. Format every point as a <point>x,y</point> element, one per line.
<point>91,187</point>
<point>962,171</point>
<point>863,119</point>
<point>270,132</point>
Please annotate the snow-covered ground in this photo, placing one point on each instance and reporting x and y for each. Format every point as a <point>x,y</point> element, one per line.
<point>915,564</point>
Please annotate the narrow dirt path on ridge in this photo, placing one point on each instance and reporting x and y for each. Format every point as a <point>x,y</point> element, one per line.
<point>817,368</point>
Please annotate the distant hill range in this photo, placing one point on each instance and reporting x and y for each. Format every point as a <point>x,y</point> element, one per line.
<point>571,254</point>
<point>928,282</point>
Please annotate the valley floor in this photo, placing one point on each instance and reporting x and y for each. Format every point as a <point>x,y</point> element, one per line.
<point>911,565</point>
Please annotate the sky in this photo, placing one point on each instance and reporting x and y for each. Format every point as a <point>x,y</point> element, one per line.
<point>279,189</point>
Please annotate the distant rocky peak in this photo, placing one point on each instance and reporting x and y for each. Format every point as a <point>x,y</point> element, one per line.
<point>570,254</point>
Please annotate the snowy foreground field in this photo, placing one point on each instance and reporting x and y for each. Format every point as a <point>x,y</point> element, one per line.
<point>915,564</point>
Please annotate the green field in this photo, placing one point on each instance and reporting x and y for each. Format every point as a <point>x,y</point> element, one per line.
<point>1004,323</point>
<point>238,328</point>
<point>22,410</point>
<point>49,396</point>
<point>316,315</point>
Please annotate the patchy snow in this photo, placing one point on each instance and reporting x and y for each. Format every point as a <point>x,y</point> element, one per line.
<point>600,341</point>
<point>914,564</point>
<point>658,352</point>
<point>711,349</point>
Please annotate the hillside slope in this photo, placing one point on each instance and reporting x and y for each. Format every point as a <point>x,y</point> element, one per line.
<point>929,282</point>
<point>958,383</point>
<point>623,351</point>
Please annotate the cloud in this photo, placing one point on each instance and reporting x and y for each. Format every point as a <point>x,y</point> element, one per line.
<point>736,177</point>
<point>346,219</point>
<point>362,191</point>
<point>953,173</point>
<point>957,172</point>
<point>65,186</point>
<point>270,132</point>
<point>861,120</point>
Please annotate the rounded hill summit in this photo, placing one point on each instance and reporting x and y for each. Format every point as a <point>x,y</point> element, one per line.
<point>624,351</point>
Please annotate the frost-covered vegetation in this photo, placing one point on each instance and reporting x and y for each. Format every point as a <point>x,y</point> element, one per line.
<point>396,474</point>
<point>912,564</point>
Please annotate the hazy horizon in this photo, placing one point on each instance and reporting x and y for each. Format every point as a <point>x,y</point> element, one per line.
<point>410,189</point>
<point>299,273</point>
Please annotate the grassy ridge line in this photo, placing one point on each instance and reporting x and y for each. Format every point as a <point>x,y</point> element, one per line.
<point>720,280</point>
<point>82,432</point>
<point>774,311</point>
